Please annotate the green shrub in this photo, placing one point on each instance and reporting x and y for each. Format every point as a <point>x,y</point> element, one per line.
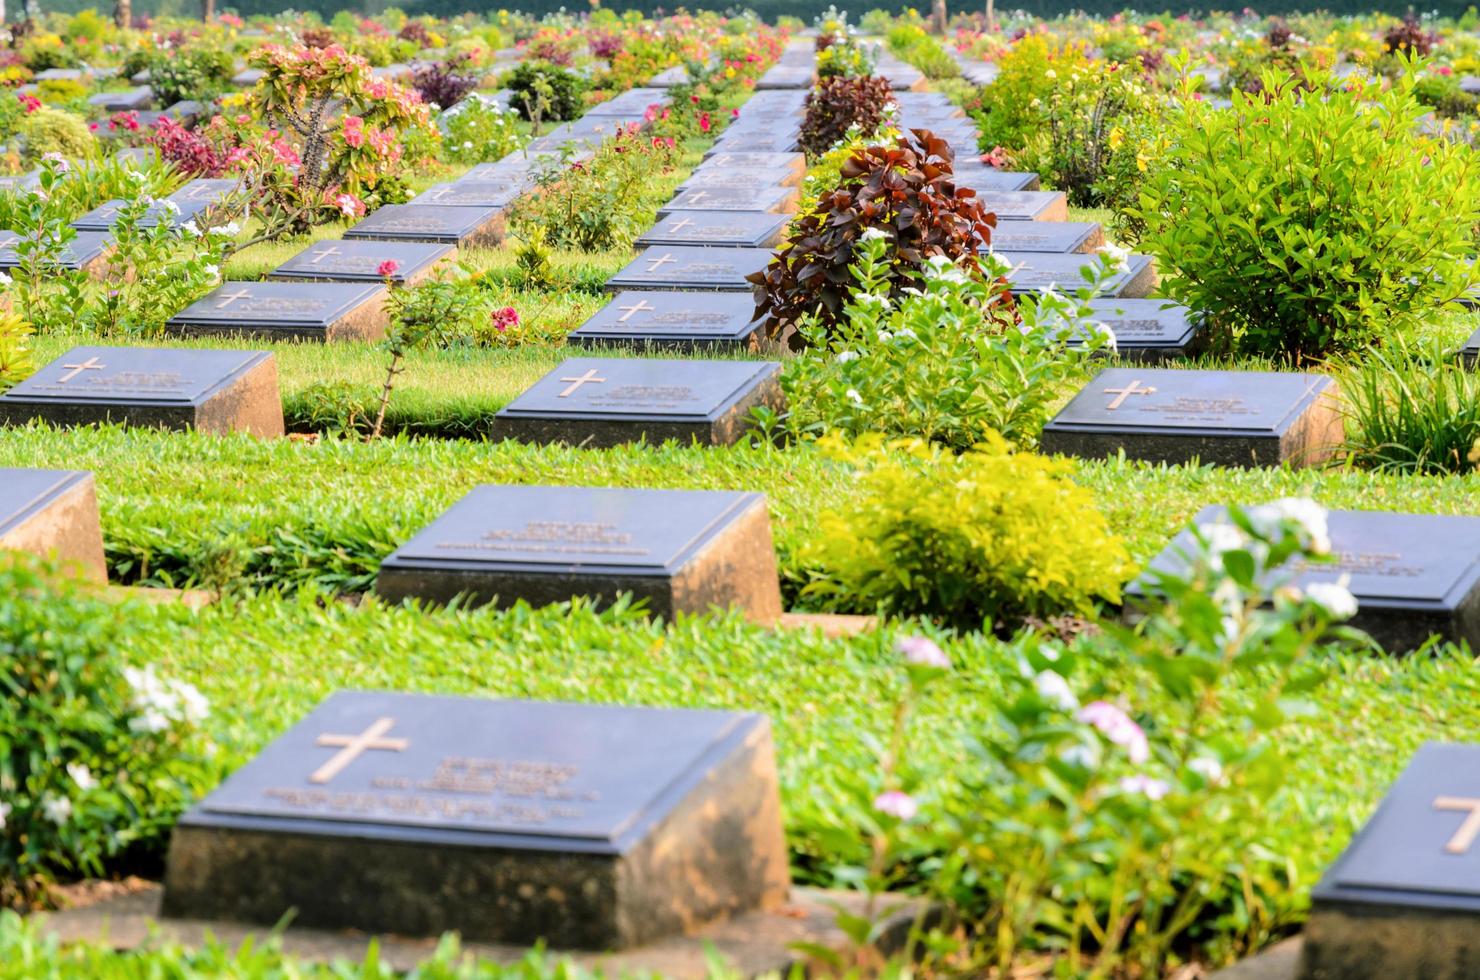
<point>546,92</point>
<point>96,758</point>
<point>54,131</point>
<point>947,361</point>
<point>199,72</point>
<point>1308,224</point>
<point>981,540</point>
<point>1408,413</point>
<point>1011,109</point>
<point>15,354</point>
<point>475,131</point>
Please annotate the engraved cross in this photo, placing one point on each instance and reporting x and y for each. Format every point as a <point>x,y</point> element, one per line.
<point>351,747</point>
<point>641,306</point>
<point>1121,394</point>
<point>226,299</point>
<point>683,224</point>
<point>661,261</point>
<point>575,383</point>
<point>88,365</point>
<point>320,256</point>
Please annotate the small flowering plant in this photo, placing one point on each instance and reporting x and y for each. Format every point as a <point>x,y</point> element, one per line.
<point>96,758</point>
<point>1124,796</point>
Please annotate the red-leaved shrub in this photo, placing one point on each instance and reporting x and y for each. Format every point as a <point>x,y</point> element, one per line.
<point>841,101</point>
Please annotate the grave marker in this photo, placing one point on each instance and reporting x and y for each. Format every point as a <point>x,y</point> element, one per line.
<point>678,550</point>
<point>53,513</point>
<point>796,163</point>
<point>347,260</point>
<point>207,390</point>
<point>689,267</point>
<point>318,311</point>
<point>86,252</point>
<point>465,227</point>
<point>740,229</point>
<point>607,402</point>
<point>1047,236</point>
<point>989,180</point>
<point>1026,205</point>
<point>462,194</point>
<point>1415,576</point>
<point>776,200</point>
<point>1402,900</point>
<point>588,826</point>
<point>1231,418</point>
<point>1148,331</point>
<point>739,178</point>
<point>133,99</point>
<point>1036,271</point>
<point>676,320</point>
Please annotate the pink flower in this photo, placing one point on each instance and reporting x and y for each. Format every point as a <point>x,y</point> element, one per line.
<point>923,651</point>
<point>388,268</point>
<point>996,157</point>
<point>504,318</point>
<point>350,206</point>
<point>354,133</point>
<point>1118,727</point>
<point>1444,70</point>
<point>901,806</point>
<point>703,122</point>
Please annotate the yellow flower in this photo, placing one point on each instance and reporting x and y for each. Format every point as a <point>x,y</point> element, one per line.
<point>1116,138</point>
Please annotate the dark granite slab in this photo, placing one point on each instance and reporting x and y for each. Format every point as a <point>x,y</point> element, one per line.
<point>360,261</point>
<point>1415,576</point>
<point>783,140</point>
<point>465,227</point>
<point>676,320</point>
<point>209,191</point>
<point>796,163</point>
<point>86,252</point>
<point>632,103</point>
<point>1047,236</point>
<point>104,216</point>
<point>1148,331</point>
<point>53,514</point>
<point>1231,418</point>
<point>1403,900</point>
<point>686,267</point>
<point>208,390</point>
<point>738,229</point>
<point>1026,205</point>
<point>286,311</point>
<point>602,402</point>
<point>783,76</point>
<point>586,826</point>
<point>739,178</point>
<point>776,200</point>
<point>1032,272</point>
<point>472,193</point>
<point>134,98</point>
<point>677,550</point>
<point>988,180</point>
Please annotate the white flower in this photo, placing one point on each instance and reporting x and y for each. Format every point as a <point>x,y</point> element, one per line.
<point>905,332</point>
<point>1118,727</point>
<point>211,271</point>
<point>58,809</point>
<point>870,299</point>
<point>194,704</point>
<point>1208,768</point>
<point>191,229</point>
<point>901,806</point>
<point>62,166</point>
<point>4,279</point>
<point>1054,689</point>
<point>922,650</point>
<point>151,722</point>
<point>1080,754</point>
<point>169,207</point>
<point>873,235</point>
<point>1107,336</point>
<point>82,776</point>
<point>1334,597</point>
<point>1309,515</point>
<point>853,396</point>
<point>1153,789</point>
<point>1050,74</point>
<point>1119,257</point>
<point>1222,538</point>
<point>848,355</point>
<point>4,812</point>
<point>231,229</point>
<point>467,144</point>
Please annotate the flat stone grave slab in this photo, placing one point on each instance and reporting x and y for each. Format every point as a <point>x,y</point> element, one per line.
<point>774,104</point>
<point>634,103</point>
<point>670,77</point>
<point>215,391</point>
<point>1148,331</point>
<point>20,182</point>
<point>777,142</point>
<point>740,178</point>
<point>783,76</point>
<point>211,191</point>
<point>469,227</point>
<point>134,98</point>
<point>248,78</point>
<point>987,180</point>
<point>678,551</point>
<point>674,320</point>
<point>586,826</point>
<point>603,402</point>
<point>62,75</point>
<point>1026,205</point>
<point>1047,236</point>
<point>587,133</point>
<point>360,261</point>
<point>317,311</point>
<point>1415,576</point>
<point>54,514</point>
<point>472,193</point>
<point>1032,272</point>
<point>739,229</point>
<point>691,267</point>
<point>1403,899</point>
<point>86,252</point>
<point>775,200</point>
<point>513,171</point>
<point>1230,418</point>
<point>796,163</point>
<point>105,216</point>
<point>1470,353</point>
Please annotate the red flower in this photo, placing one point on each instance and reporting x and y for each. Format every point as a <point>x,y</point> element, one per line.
<point>388,268</point>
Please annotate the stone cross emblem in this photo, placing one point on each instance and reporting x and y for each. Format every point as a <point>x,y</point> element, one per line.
<point>683,224</point>
<point>226,299</point>
<point>575,383</point>
<point>641,306</point>
<point>321,256</point>
<point>1121,394</point>
<point>91,364</point>
<point>351,747</point>
<point>661,261</point>
<point>1465,836</point>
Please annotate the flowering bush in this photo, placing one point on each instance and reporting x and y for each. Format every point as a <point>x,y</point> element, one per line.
<point>1011,108</point>
<point>97,759</point>
<point>950,361</point>
<point>475,131</point>
<point>1119,804</point>
<point>542,92</point>
<point>983,540</point>
<point>1307,261</point>
<point>904,191</point>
